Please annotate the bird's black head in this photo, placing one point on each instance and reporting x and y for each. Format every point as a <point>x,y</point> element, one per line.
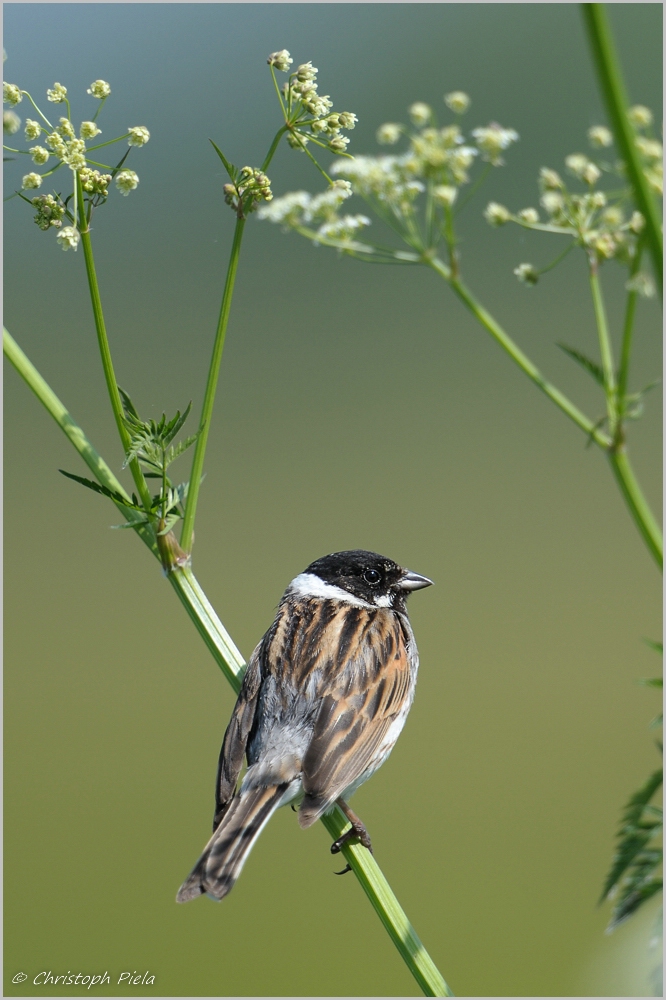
<point>361,576</point>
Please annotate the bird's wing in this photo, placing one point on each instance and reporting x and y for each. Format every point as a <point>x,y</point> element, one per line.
<point>370,690</point>
<point>236,736</point>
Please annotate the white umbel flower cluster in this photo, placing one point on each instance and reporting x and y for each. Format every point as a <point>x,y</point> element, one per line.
<point>69,148</point>
<point>308,113</point>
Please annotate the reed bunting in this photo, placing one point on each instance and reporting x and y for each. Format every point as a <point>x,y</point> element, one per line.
<point>324,698</point>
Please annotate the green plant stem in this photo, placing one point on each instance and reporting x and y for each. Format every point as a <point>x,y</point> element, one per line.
<point>636,502</point>
<point>631,491</point>
<point>104,350</point>
<point>211,387</point>
<point>521,359</point>
<point>274,145</point>
<point>605,347</point>
<point>230,661</point>
<point>627,335</point>
<point>614,93</point>
<point>389,911</point>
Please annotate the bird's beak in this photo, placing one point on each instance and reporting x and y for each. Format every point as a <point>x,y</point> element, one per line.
<point>413,581</point>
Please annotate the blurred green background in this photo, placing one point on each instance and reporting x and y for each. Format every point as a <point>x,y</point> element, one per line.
<point>358,406</point>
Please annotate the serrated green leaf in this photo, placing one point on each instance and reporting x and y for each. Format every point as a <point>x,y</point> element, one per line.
<point>102,490</point>
<point>177,450</point>
<point>229,167</point>
<point>591,367</point>
<point>632,899</point>
<point>128,405</point>
<point>640,823</point>
<point>175,425</point>
<point>130,524</point>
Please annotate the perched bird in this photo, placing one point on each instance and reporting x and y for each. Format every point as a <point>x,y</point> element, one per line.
<point>324,698</point>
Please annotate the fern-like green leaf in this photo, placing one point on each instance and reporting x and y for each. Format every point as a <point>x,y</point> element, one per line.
<point>633,878</point>
<point>591,367</point>
<point>104,491</point>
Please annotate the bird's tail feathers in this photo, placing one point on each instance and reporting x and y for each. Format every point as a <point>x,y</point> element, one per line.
<point>226,852</point>
<point>313,808</point>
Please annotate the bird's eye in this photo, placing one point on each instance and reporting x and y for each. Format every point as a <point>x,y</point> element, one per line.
<point>372,577</point>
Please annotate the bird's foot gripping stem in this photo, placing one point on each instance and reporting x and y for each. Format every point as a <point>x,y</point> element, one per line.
<point>356,831</point>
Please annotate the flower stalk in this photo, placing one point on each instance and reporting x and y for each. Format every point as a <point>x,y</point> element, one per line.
<point>614,94</point>
<point>187,532</point>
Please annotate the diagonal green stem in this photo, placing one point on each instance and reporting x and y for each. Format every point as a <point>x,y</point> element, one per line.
<point>631,491</point>
<point>230,661</point>
<point>520,358</point>
<point>636,502</point>
<point>211,387</point>
<point>614,93</point>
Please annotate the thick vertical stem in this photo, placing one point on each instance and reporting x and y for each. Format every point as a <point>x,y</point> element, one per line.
<point>614,93</point>
<point>605,347</point>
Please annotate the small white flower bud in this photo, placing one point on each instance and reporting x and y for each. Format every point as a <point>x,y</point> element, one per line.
<point>591,174</point>
<point>550,179</point>
<point>126,181</point>
<point>58,94</point>
<point>343,188</point>
<point>600,136</point>
<point>339,144</point>
<point>641,283</point>
<point>527,274</point>
<point>605,245</point>
<point>445,194</point>
<point>388,134</point>
<point>75,154</point>
<point>529,215</point>
<point>553,202</point>
<point>492,140</point>
<point>139,135</point>
<point>457,101</point>
<point>89,130</point>
<point>281,60</point>
<point>11,122</point>
<point>69,237</point>
<point>420,113</point>
<point>55,142</point>
<point>32,181</point>
<point>297,141</point>
<point>640,116</point>
<point>66,129</point>
<point>11,94</point>
<point>576,164</point>
<point>348,119</point>
<point>613,217</point>
<point>637,223</point>
<point>597,199</point>
<point>496,214</point>
<point>306,71</point>
<point>39,155</point>
<point>99,89</point>
<point>650,148</point>
<point>32,129</point>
